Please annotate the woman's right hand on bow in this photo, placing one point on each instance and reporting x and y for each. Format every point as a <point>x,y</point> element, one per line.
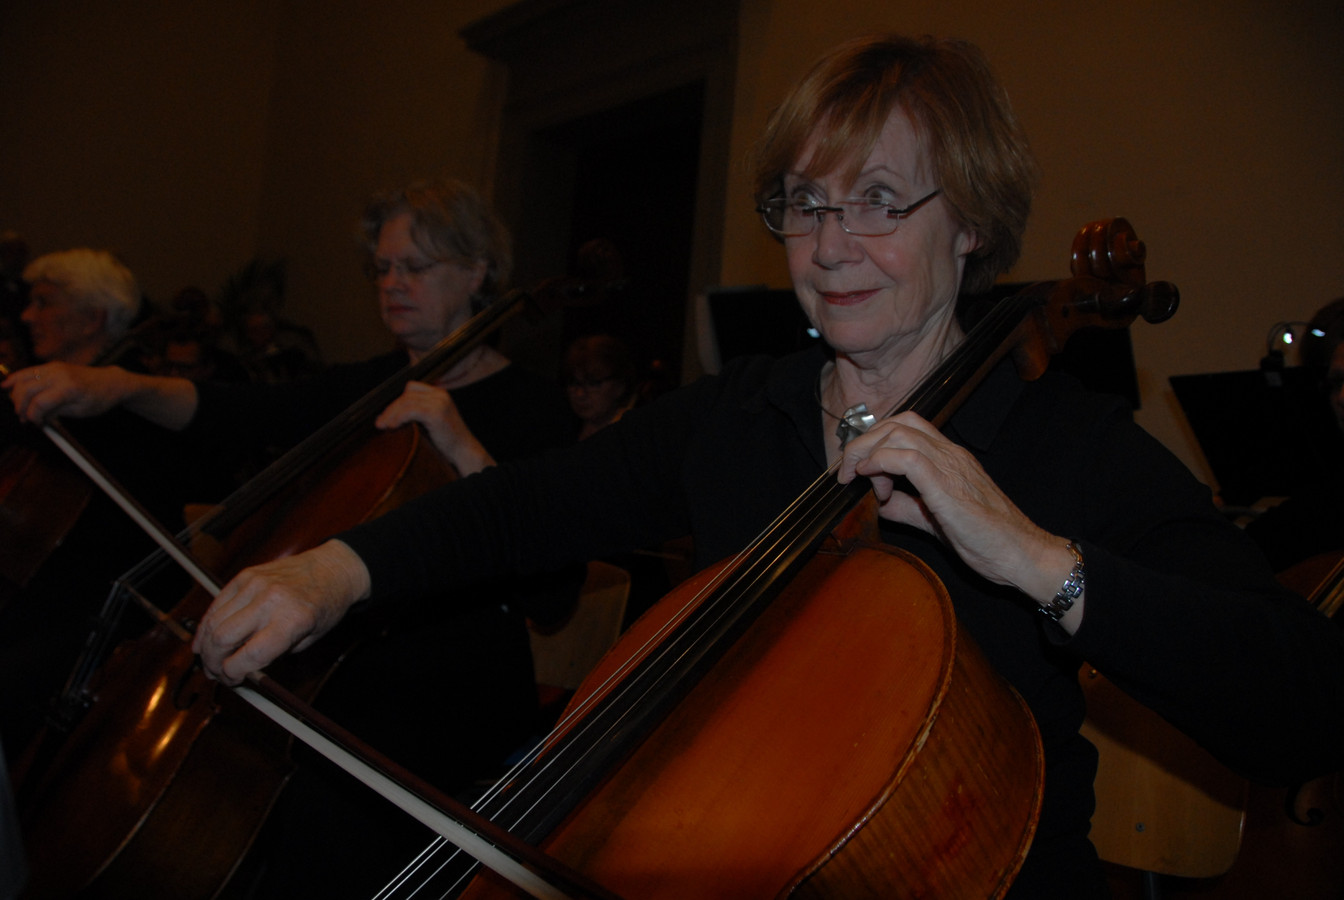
<point>284,604</point>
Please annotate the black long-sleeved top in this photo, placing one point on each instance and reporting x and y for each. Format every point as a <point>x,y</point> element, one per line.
<point>512,412</point>
<point>1181,609</point>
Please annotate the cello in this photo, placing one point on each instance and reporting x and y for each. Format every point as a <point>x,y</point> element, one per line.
<point>716,718</point>
<point>153,735</point>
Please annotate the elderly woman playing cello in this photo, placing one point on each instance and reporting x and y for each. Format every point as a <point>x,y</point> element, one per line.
<point>896,176</point>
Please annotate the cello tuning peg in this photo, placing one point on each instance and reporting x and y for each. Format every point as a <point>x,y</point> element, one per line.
<point>1160,300</point>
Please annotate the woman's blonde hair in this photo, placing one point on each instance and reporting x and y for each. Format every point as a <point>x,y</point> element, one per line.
<point>975,145</point>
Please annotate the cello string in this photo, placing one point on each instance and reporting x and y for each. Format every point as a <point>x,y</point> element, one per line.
<point>1328,594</point>
<point>246,499</point>
<point>587,727</point>
<point>825,488</point>
<point>657,638</point>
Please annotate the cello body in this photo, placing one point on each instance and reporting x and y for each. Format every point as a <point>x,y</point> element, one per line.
<point>852,744</point>
<point>168,775</point>
<point>40,501</point>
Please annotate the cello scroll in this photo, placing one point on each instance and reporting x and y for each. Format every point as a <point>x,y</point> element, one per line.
<point>1108,288</point>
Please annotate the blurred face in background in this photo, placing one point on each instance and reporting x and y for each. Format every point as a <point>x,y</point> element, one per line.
<point>60,330</point>
<point>596,398</point>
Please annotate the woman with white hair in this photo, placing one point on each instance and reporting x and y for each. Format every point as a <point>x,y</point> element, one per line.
<point>81,304</point>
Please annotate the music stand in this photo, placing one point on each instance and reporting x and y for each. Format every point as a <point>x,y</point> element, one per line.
<point>1265,432</point>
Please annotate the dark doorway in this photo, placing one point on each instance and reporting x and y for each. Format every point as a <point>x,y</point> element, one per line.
<point>615,124</point>
<point>635,186</point>
<point>626,176</point>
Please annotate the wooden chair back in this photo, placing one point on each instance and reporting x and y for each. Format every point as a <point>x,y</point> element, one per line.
<point>1164,804</point>
<point>565,656</point>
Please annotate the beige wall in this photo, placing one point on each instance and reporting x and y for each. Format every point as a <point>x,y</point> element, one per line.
<point>138,127</point>
<point>190,142</point>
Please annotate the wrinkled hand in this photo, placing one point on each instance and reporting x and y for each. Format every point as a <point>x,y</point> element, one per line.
<point>285,604</point>
<point>58,388</point>
<point>435,411</point>
<point>957,501</point>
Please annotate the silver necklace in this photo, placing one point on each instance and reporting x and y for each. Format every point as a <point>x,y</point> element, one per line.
<point>856,420</point>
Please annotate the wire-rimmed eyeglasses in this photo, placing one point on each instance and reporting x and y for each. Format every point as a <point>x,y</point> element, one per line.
<point>410,269</point>
<point>863,216</point>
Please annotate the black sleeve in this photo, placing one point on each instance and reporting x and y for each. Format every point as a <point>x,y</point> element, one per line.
<point>1183,613</point>
<point>614,492</point>
<point>251,416</point>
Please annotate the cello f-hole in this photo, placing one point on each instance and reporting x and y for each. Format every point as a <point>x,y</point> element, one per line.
<point>181,700</point>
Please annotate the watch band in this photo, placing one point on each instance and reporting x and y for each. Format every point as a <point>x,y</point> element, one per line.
<point>1070,590</point>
